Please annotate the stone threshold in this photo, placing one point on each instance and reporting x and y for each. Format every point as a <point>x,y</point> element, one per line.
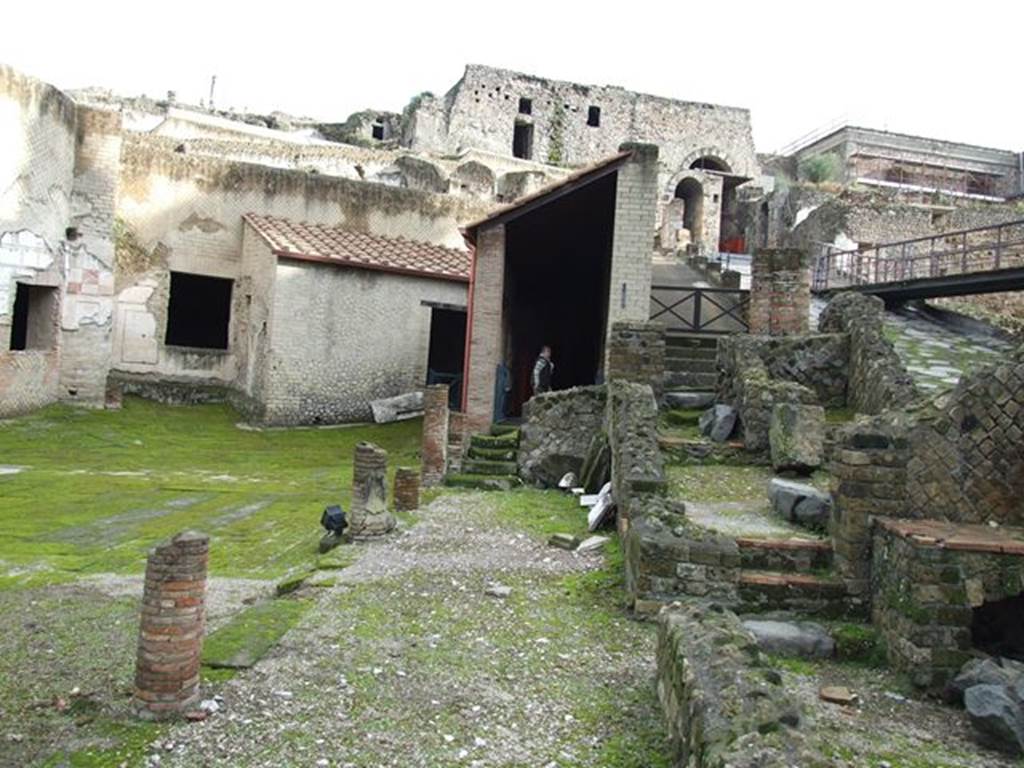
<point>963,537</point>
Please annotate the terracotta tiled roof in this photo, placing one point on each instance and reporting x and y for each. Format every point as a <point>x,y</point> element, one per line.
<point>346,247</point>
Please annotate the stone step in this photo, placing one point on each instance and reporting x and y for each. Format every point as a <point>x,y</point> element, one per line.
<point>485,467</point>
<point>694,399</point>
<point>499,430</point>
<point>691,353</point>
<point>691,366</point>
<point>807,593</point>
<point>706,342</point>
<point>686,380</point>
<point>491,454</point>
<point>482,482</point>
<point>789,555</point>
<point>509,441</point>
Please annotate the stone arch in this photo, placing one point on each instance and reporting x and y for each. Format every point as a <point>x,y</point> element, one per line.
<point>719,160</point>
<point>474,178</point>
<point>691,192</point>
<point>420,174</point>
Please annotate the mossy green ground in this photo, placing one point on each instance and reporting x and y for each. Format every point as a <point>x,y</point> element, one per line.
<point>252,632</point>
<point>725,482</point>
<point>100,488</point>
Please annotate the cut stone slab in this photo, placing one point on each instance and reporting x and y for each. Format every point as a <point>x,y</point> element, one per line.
<point>564,541</point>
<point>597,465</point>
<point>997,717</point>
<point>800,503</point>
<point>568,481</point>
<point>718,423</point>
<point>591,544</point>
<point>796,437</point>
<point>388,409</point>
<point>838,694</point>
<point>498,590</point>
<point>783,638</point>
<point>688,400</point>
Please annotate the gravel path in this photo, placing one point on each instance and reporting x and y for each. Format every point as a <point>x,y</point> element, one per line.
<point>407,661</point>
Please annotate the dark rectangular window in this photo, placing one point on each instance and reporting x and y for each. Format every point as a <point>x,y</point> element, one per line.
<point>34,325</point>
<point>525,106</point>
<point>594,117</point>
<point>198,311</point>
<point>522,141</point>
<point>378,131</point>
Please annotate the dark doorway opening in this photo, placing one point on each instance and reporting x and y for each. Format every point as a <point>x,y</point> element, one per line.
<point>522,141</point>
<point>34,324</point>
<point>692,194</point>
<point>998,627</point>
<point>594,117</point>
<point>378,131</point>
<point>557,270</point>
<point>525,106</point>
<point>199,311</point>
<point>447,353</point>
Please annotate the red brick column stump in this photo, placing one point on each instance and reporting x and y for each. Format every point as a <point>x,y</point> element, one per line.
<point>171,628</point>
<point>780,292</point>
<point>435,434</point>
<point>407,489</point>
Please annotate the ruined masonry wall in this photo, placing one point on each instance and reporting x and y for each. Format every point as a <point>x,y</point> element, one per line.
<point>37,130</point>
<point>780,292</point>
<point>342,337</point>
<point>636,353</point>
<point>556,433</point>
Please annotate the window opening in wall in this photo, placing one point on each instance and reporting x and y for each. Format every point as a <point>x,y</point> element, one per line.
<point>522,141</point>
<point>997,627</point>
<point>198,311</point>
<point>378,131</point>
<point>525,106</point>
<point>34,323</point>
<point>594,117</point>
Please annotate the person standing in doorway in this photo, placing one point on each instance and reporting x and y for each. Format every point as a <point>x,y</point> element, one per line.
<point>543,369</point>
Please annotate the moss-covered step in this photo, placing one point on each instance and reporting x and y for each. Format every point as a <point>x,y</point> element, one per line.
<point>251,633</point>
<point>486,467</point>
<point>500,430</point>
<point>483,482</point>
<point>509,441</point>
<point>492,454</point>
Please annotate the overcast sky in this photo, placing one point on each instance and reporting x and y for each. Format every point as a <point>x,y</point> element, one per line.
<point>952,70</point>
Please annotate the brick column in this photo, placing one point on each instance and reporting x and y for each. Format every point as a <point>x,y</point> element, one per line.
<point>780,292</point>
<point>636,352</point>
<point>369,515</point>
<point>486,340</point>
<point>434,448</point>
<point>171,629</point>
<point>636,202</point>
<point>407,489</point>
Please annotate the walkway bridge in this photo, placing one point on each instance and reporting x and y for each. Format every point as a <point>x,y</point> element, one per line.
<point>960,263</point>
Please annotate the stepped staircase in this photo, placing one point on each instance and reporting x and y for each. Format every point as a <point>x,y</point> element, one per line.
<point>489,463</point>
<point>792,574</point>
<point>690,367</point>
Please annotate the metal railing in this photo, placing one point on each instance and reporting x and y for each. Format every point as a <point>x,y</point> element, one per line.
<point>948,254</point>
<point>689,309</point>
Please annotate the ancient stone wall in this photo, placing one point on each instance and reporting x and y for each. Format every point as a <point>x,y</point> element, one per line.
<point>632,425</point>
<point>360,335</point>
<point>556,432</point>
<point>878,379</point>
<point>183,212</point>
<point>720,698</point>
<point>636,352</point>
<point>926,580</point>
<point>780,292</point>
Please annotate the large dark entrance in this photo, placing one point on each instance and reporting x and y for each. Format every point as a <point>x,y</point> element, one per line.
<point>446,357</point>
<point>998,627</point>
<point>557,267</point>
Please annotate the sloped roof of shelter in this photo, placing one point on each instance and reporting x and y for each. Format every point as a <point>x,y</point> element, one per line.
<point>349,248</point>
<point>547,194</point>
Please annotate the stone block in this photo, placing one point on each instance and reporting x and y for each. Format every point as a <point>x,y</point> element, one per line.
<point>796,437</point>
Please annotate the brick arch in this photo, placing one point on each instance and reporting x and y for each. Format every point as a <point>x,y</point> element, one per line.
<point>685,170</point>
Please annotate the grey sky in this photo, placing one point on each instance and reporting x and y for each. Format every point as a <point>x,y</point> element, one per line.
<point>943,69</point>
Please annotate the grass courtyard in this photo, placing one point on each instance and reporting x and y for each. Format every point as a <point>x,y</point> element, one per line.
<point>397,658</point>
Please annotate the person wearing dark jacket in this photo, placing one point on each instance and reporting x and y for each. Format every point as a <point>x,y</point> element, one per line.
<point>543,369</point>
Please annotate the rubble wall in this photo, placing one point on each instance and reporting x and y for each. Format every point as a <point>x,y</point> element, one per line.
<point>557,431</point>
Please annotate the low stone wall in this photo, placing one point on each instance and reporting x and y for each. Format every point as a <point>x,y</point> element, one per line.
<point>636,352</point>
<point>878,380</point>
<point>557,431</point>
<point>745,381</point>
<point>869,478</point>
<point>723,704</point>
<point>28,380</point>
<point>668,557</point>
<point>632,426</point>
<point>927,576</point>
